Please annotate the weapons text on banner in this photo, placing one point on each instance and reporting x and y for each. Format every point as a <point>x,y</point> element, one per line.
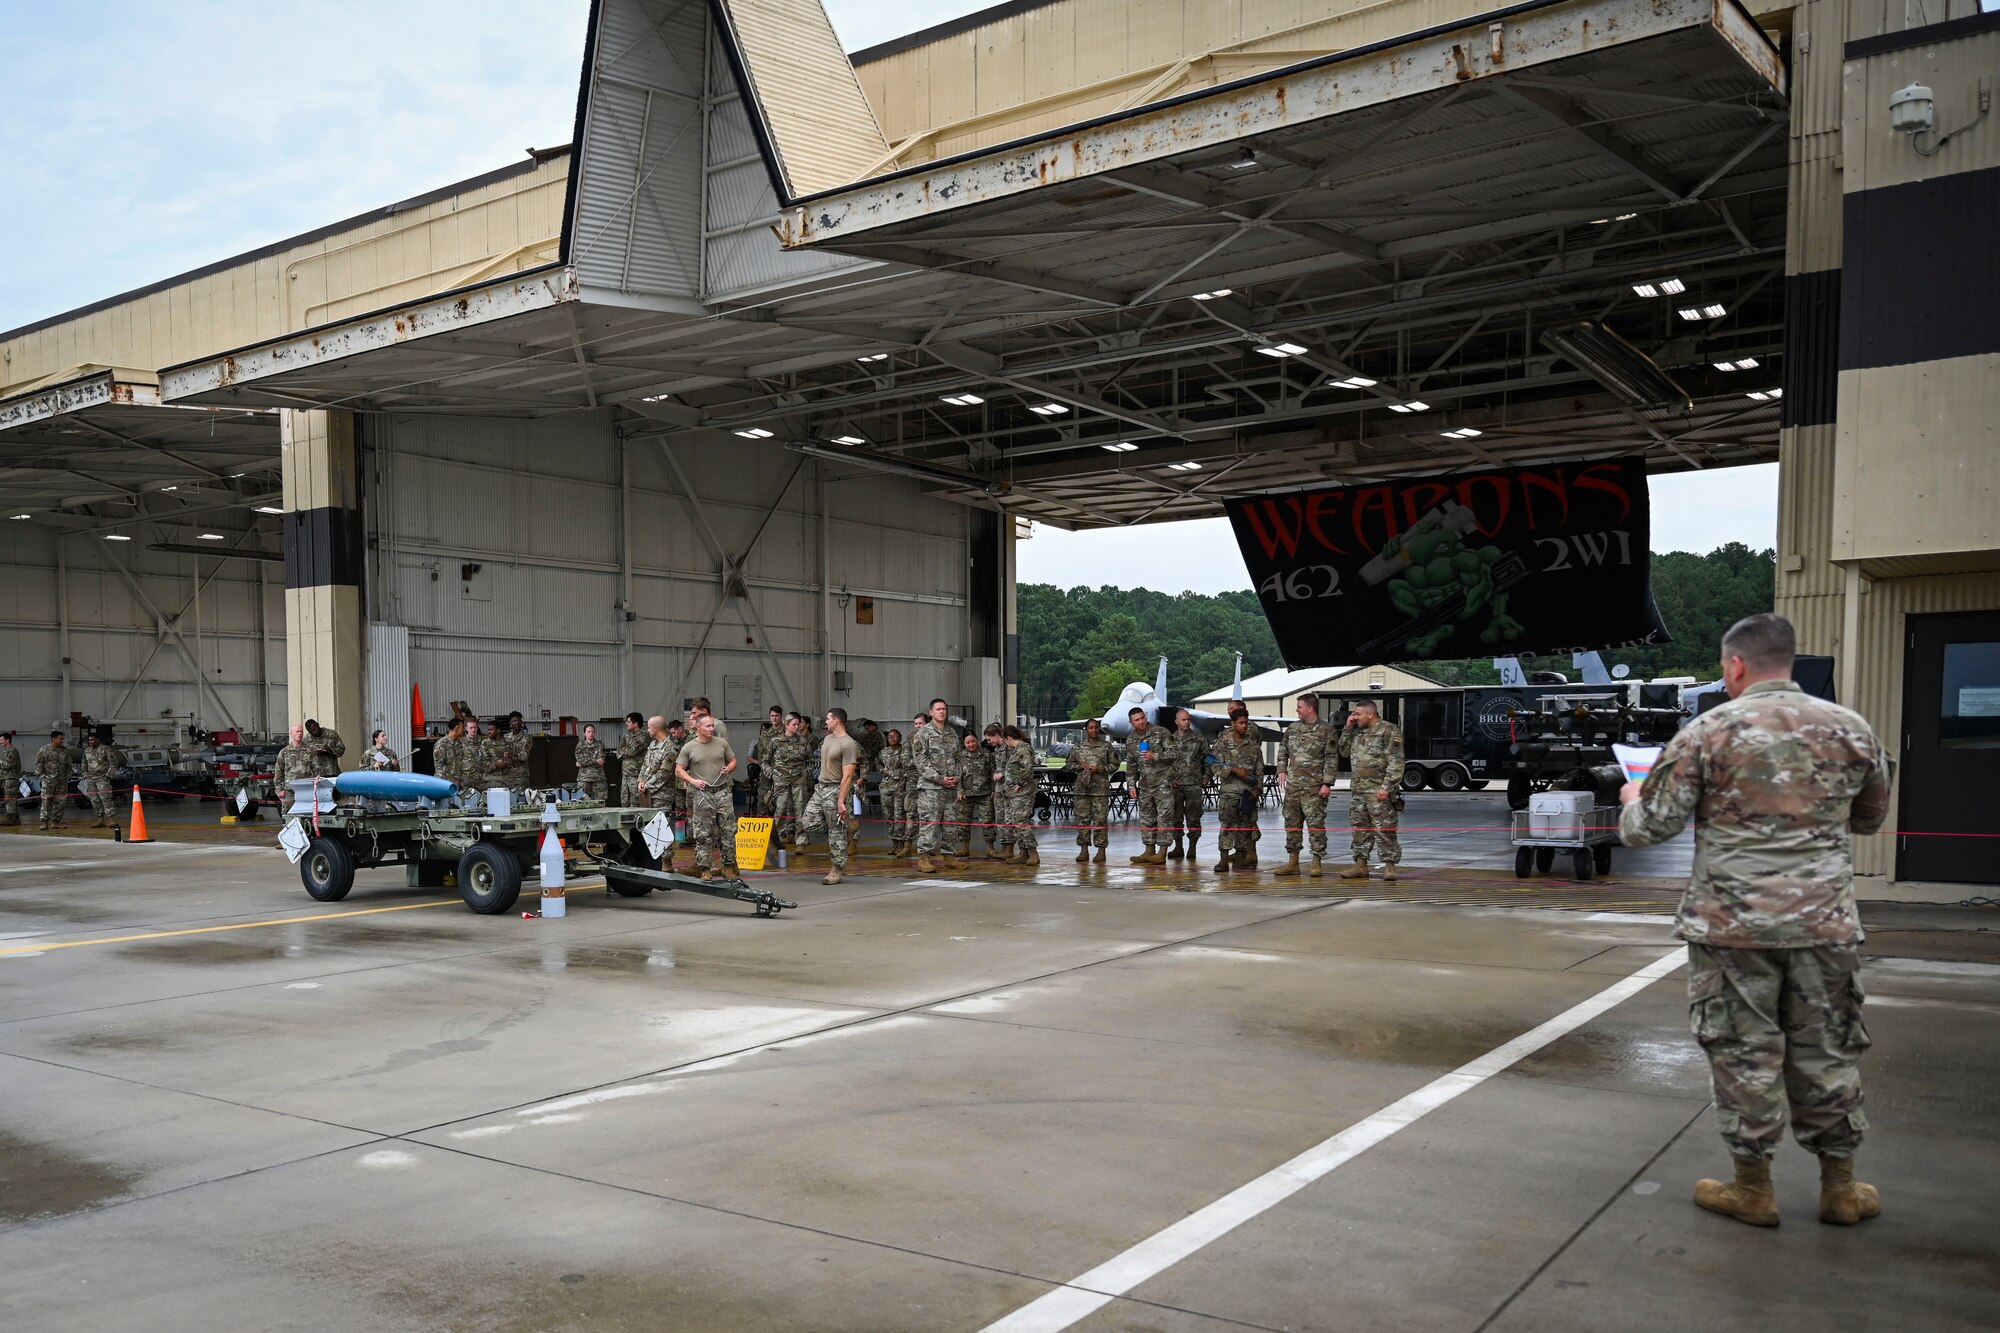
<point>1551,559</point>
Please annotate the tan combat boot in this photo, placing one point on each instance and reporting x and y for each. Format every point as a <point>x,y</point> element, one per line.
<point>1290,868</point>
<point>1082,855</point>
<point>1359,870</point>
<point>925,864</point>
<point>1314,871</point>
<point>1222,866</point>
<point>1244,858</point>
<point>1099,858</point>
<point>1144,858</point>
<point>1388,872</point>
<point>1843,1200</point>
<point>832,876</point>
<point>1749,1198</point>
<point>1033,857</point>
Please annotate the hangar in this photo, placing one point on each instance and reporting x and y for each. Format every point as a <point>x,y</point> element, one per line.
<point>784,333</point>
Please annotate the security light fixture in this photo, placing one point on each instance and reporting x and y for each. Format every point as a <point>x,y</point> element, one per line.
<point>1210,296</point>
<point>1912,110</point>
<point>1616,364</point>
<point>1283,350</point>
<point>269,509</point>
<point>1184,467</point>
<point>1414,405</point>
<point>873,356</point>
<point>1047,409</point>
<point>1462,433</point>
<point>963,399</point>
<point>211,537</point>
<point>1121,447</point>
<point>848,439</point>
<point>116,537</point>
<point>1353,382</point>
<point>753,433</point>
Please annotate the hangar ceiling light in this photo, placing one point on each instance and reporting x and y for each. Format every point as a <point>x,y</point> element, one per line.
<point>1616,364</point>
<point>1210,296</point>
<point>1183,467</point>
<point>848,439</point>
<point>753,433</point>
<point>963,399</point>
<point>873,356</point>
<point>210,537</point>
<point>1282,350</point>
<point>1047,409</point>
<point>1766,395</point>
<point>1122,447</point>
<point>17,516</point>
<point>116,537</point>
<point>1353,382</point>
<point>1462,433</point>
<point>1742,363</point>
<point>1414,405</point>
<point>1668,286</point>
<point>269,509</point>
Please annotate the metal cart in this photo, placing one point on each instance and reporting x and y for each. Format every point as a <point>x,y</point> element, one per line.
<point>1589,850</point>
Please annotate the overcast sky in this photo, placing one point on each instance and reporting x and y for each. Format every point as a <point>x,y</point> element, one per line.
<point>145,139</point>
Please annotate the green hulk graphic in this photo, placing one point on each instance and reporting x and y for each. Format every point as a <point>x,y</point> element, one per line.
<point>1437,569</point>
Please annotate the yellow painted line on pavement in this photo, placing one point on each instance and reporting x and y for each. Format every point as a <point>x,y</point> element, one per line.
<point>241,925</point>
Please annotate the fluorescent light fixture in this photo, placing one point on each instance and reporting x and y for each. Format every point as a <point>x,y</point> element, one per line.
<point>1645,289</point>
<point>1714,311</point>
<point>658,398</point>
<point>169,488</point>
<point>17,517</point>
<point>1246,160</point>
<point>211,537</point>
<point>873,356</point>
<point>1353,382</point>
<point>1210,296</point>
<point>753,433</point>
<point>1743,363</point>
<point>1414,405</point>
<point>1689,313</point>
<point>1462,433</point>
<point>269,509</point>
<point>848,439</point>
<point>1184,467</point>
<point>1766,395</point>
<point>963,399</point>
<point>1122,447</point>
<point>1672,286</point>
<point>116,537</point>
<point>1616,364</point>
<point>1283,349</point>
<point>1047,409</point>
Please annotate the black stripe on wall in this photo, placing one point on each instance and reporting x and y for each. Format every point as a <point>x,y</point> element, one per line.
<point>1928,34</point>
<point>1920,270</point>
<point>323,547</point>
<point>1812,347</point>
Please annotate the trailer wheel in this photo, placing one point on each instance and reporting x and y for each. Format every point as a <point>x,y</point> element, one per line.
<point>1545,859</point>
<point>1602,855</point>
<point>1585,863</point>
<point>1475,784</point>
<point>1524,862</point>
<point>1518,791</point>
<point>489,878</point>
<point>327,870</point>
<point>635,854</point>
<point>1449,777</point>
<point>1413,778</point>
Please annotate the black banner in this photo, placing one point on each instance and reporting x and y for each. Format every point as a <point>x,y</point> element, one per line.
<point>1551,559</point>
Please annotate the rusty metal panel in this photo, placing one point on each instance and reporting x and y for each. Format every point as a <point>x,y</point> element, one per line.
<point>820,124</point>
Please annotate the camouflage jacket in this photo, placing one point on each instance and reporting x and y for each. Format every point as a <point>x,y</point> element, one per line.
<point>451,759</point>
<point>1190,751</point>
<point>55,764</point>
<point>1017,769</point>
<point>789,758</point>
<point>1153,766</point>
<point>479,758</point>
<point>294,762</point>
<point>382,758</point>
<point>894,765</point>
<point>767,736</point>
<point>1309,752</point>
<point>1777,782</point>
<point>632,751</point>
<point>935,754</point>
<point>10,766</point>
<point>510,754</point>
<point>1244,752</point>
<point>1376,754</point>
<point>1101,755</point>
<point>590,758</point>
<point>100,762</point>
<point>657,771</point>
<point>327,747</point>
<point>976,770</point>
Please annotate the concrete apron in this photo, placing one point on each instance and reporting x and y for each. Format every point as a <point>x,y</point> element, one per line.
<point>910,1107</point>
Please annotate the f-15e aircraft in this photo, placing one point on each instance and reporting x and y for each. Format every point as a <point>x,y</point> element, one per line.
<point>1117,719</point>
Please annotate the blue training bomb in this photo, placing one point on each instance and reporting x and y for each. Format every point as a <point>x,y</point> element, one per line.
<point>389,786</point>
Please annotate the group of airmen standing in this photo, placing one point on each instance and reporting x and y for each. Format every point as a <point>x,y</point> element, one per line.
<point>55,765</point>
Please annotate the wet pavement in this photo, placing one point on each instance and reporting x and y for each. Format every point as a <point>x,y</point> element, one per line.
<point>924,1103</point>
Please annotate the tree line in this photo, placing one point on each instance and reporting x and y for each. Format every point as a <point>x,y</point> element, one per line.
<point>1081,646</point>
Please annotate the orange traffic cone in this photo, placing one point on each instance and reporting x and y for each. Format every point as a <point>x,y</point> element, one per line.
<point>138,833</point>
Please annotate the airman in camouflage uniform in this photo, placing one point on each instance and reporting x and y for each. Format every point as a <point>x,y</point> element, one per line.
<point>1777,782</point>
<point>1239,752</point>
<point>1308,762</point>
<point>893,763</point>
<point>1016,797</point>
<point>54,765</point>
<point>101,763</point>
<point>1190,752</point>
<point>768,735</point>
<point>1092,759</point>
<point>294,763</point>
<point>936,757</point>
<point>326,747</point>
<point>838,780</point>
<point>705,764</point>
<point>788,765</point>
<point>654,781</point>
<point>977,812</point>
<point>451,758</point>
<point>1374,750</point>
<point>632,745</point>
<point>590,765</point>
<point>10,781</point>
<point>1149,775</point>
<point>509,754</point>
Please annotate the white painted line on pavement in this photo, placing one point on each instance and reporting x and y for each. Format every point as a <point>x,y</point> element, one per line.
<point>1634,918</point>
<point>1083,1295</point>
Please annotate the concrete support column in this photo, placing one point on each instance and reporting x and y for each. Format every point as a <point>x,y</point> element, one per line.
<point>325,554</point>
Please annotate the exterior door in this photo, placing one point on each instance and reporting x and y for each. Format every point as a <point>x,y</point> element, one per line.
<point>1951,750</point>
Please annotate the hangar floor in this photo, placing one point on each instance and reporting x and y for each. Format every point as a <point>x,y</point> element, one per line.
<point>921,1106</point>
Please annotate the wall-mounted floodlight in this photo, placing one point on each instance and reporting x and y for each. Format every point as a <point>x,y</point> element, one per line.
<point>1912,110</point>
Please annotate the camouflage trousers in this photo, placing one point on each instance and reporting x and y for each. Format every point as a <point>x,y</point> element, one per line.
<point>823,815</point>
<point>1239,831</point>
<point>1017,821</point>
<point>1374,821</point>
<point>896,803</point>
<point>933,806</point>
<point>55,808</point>
<point>10,799</point>
<point>629,795</point>
<point>975,820</point>
<point>1188,804</point>
<point>1093,819</point>
<point>712,828</point>
<point>1305,809</point>
<point>592,783</point>
<point>767,793</point>
<point>1782,1028</point>
<point>789,799</point>
<point>99,792</point>
<point>1157,812</point>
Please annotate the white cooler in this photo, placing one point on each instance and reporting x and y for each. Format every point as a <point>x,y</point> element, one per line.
<point>1559,814</point>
